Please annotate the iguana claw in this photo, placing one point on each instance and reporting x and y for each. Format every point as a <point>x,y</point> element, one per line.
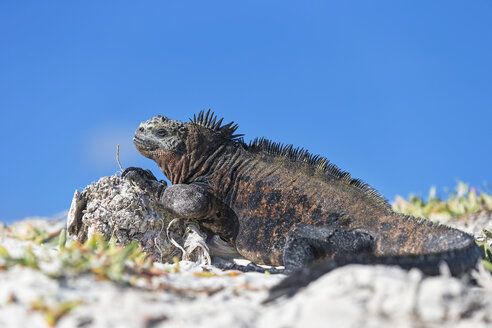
<point>145,179</point>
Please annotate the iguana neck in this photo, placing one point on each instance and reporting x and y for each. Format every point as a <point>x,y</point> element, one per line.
<point>199,166</point>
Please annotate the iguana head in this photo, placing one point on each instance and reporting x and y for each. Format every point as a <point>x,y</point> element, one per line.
<point>179,147</point>
<point>160,134</point>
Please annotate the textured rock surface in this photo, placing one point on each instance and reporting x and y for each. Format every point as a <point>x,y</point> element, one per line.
<point>377,296</point>
<point>114,207</point>
<point>352,296</point>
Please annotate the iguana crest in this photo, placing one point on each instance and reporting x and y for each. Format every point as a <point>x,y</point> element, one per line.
<point>209,120</point>
<point>331,171</point>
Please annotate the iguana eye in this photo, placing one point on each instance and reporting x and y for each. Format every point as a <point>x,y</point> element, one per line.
<point>161,133</point>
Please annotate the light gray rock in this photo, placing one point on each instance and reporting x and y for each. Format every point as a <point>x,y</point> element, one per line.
<point>117,208</point>
<point>351,296</point>
<point>379,296</point>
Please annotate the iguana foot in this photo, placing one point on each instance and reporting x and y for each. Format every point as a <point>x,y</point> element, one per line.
<point>145,180</point>
<point>307,243</point>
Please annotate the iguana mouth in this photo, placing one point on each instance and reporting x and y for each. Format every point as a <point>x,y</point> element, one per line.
<point>144,144</point>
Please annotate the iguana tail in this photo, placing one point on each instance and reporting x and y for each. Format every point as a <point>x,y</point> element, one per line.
<point>460,257</point>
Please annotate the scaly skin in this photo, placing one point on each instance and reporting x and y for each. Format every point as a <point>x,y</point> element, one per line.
<point>282,206</point>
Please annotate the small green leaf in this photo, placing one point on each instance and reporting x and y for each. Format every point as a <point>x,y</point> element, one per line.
<point>129,250</point>
<point>29,259</point>
<point>487,265</point>
<point>487,233</point>
<point>4,253</point>
<point>176,263</point>
<point>62,239</point>
<point>487,250</point>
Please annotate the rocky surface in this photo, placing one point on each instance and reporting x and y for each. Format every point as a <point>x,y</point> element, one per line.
<point>203,296</point>
<point>116,208</point>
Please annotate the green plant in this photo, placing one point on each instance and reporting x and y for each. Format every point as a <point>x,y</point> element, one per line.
<point>462,201</point>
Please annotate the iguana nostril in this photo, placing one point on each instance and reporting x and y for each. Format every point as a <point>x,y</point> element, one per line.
<point>140,129</point>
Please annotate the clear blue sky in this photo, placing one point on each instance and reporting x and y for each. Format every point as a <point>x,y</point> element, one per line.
<point>399,93</point>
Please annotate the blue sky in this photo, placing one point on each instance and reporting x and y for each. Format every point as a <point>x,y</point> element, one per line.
<point>397,93</point>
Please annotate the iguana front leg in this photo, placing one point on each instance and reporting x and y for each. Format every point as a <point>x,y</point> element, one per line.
<point>306,244</point>
<point>190,201</point>
<point>182,200</point>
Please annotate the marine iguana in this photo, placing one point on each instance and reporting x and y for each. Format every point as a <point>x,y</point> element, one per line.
<point>280,205</point>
